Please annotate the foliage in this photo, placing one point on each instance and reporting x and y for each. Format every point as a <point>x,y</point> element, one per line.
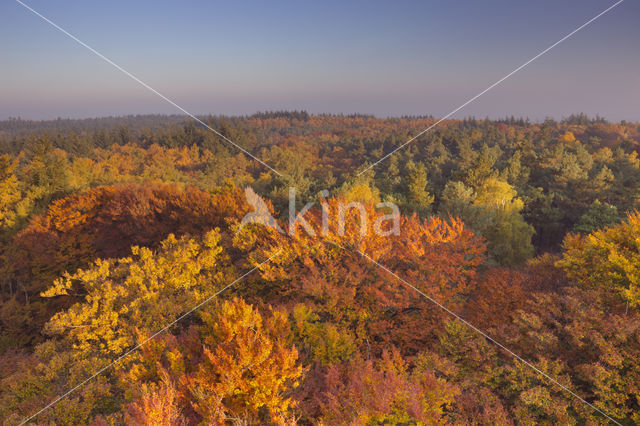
<point>113,230</point>
<point>607,260</point>
<point>157,408</point>
<point>101,223</point>
<point>10,194</point>
<point>599,216</point>
<point>493,211</point>
<point>248,369</point>
<point>384,392</point>
<point>121,298</point>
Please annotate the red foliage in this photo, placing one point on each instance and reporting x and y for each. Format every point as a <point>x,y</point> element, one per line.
<point>332,274</point>
<point>364,392</point>
<point>499,292</point>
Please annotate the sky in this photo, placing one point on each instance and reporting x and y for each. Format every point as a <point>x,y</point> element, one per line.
<point>373,57</point>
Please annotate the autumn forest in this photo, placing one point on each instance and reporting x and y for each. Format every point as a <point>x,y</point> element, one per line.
<point>131,294</point>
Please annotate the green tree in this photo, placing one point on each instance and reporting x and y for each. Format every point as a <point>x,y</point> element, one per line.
<point>457,199</point>
<point>493,211</point>
<point>599,216</point>
<point>418,197</point>
<point>482,168</point>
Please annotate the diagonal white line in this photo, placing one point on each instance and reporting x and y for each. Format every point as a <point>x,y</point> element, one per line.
<point>486,336</point>
<point>100,55</point>
<point>154,335</point>
<point>492,86</point>
<point>551,379</point>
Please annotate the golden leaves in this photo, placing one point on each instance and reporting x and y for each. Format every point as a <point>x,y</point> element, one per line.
<point>142,292</point>
<point>607,258</point>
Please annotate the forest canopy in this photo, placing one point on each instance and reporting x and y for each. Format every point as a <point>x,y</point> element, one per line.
<point>114,229</point>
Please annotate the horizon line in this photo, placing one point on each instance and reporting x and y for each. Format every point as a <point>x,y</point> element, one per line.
<point>281,112</point>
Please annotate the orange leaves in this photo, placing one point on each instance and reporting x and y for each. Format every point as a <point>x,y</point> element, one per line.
<point>499,292</point>
<point>239,365</point>
<point>439,257</point>
<point>156,407</point>
<point>248,365</point>
<point>357,226</point>
<point>327,273</point>
<point>384,392</point>
<point>105,222</point>
<point>568,138</point>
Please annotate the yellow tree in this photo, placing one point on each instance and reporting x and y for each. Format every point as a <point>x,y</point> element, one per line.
<point>492,210</point>
<point>10,194</point>
<point>122,301</point>
<point>608,259</point>
<point>125,298</point>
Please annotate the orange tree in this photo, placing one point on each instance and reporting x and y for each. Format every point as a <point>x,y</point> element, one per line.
<point>349,298</point>
<point>238,364</point>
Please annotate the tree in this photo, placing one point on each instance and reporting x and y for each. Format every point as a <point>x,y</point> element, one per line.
<point>575,336</point>
<point>46,168</point>
<point>50,371</point>
<point>493,211</point>
<point>384,391</point>
<point>326,341</point>
<point>497,293</point>
<point>354,300</point>
<point>156,407</point>
<point>418,197</point>
<point>101,223</point>
<point>248,368</point>
<point>607,259</point>
<point>599,216</point>
<point>10,194</point>
<point>362,190</point>
<point>457,199</point>
<point>123,299</point>
<point>482,168</point>
<point>568,137</point>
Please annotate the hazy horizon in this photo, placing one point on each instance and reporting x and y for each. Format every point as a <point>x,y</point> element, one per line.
<point>387,60</point>
<point>205,115</point>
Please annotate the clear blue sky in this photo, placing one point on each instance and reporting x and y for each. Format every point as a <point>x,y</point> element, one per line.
<point>384,58</point>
